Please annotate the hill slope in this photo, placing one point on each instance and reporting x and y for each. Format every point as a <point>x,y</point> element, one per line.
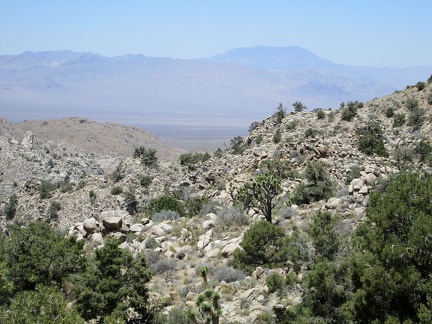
<point>176,247</point>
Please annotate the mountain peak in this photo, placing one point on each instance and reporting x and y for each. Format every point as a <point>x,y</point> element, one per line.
<point>273,58</point>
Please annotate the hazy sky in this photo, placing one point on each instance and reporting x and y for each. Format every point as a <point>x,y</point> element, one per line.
<point>354,32</point>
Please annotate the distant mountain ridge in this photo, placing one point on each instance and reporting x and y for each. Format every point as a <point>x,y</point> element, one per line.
<point>229,89</point>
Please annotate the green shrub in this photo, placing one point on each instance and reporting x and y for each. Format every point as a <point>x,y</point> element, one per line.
<point>218,153</point>
<point>411,103</point>
<point>311,132</point>
<point>429,98</point>
<point>371,139</point>
<point>45,189</point>
<point>194,205</point>
<point>390,111</point>
<point>275,282</point>
<point>253,126</point>
<point>277,137</point>
<point>11,207</point>
<point>416,118</point>
<point>398,120</point>
<point>279,168</point>
<point>324,237</point>
<point>130,201</point>
<point>43,305</point>
<point>106,289</point>
<point>321,114</point>
<point>117,174</point>
<point>259,139</point>
<point>237,145</point>
<point>390,268</point>
<point>145,181</point>
<point>424,151</point>
<point>318,185</point>
<point>166,202</point>
<point>280,113</point>
<point>38,255</point>
<point>147,155</point>
<point>189,158</point>
<point>117,190</point>
<point>299,107</point>
<point>420,85</point>
<point>350,110</point>
<point>53,210</point>
<point>292,124</point>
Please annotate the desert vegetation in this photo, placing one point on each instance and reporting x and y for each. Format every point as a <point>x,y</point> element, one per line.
<point>329,222</point>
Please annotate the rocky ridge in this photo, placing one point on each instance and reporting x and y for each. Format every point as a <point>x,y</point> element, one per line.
<point>177,248</point>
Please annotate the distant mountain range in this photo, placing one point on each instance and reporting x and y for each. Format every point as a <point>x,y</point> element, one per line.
<point>230,89</point>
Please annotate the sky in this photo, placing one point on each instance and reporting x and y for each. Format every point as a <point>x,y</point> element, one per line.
<point>378,33</point>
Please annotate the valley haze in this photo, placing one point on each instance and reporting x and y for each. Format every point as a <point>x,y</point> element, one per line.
<point>194,104</point>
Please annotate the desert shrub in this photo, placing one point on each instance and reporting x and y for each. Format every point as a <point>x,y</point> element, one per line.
<point>403,156</point>
<point>130,201</point>
<point>228,274</point>
<point>292,124</point>
<point>263,245</point>
<point>230,215</point>
<point>310,132</point>
<point>259,139</point>
<point>429,98</point>
<point>390,111</point>
<point>66,186</point>
<point>37,254</point>
<point>145,180</point>
<point>147,155</point>
<point>92,196</point>
<point>237,145</point>
<point>420,85</point>
<point>11,207</point>
<point>416,118</point>
<point>53,210</point>
<point>275,281</point>
<point>117,174</point>
<point>398,120</point>
<point>164,215</point>
<point>189,158</point>
<point>218,153</point>
<point>411,103</point>
<point>164,265</point>
<point>45,304</point>
<point>177,315</point>
<point>423,150</point>
<point>106,289</point>
<point>277,137</point>
<point>279,168</point>
<point>81,184</point>
<point>194,205</point>
<point>165,202</point>
<point>299,107</point>
<point>353,173</point>
<point>371,139</point>
<point>117,190</point>
<point>280,113</point>
<point>318,185</point>
<point>45,189</point>
<point>324,236</point>
<point>253,126</point>
<point>350,110</point>
<point>320,114</point>
<point>390,268</point>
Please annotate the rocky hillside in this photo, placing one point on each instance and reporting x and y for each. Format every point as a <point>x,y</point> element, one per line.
<point>100,198</point>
